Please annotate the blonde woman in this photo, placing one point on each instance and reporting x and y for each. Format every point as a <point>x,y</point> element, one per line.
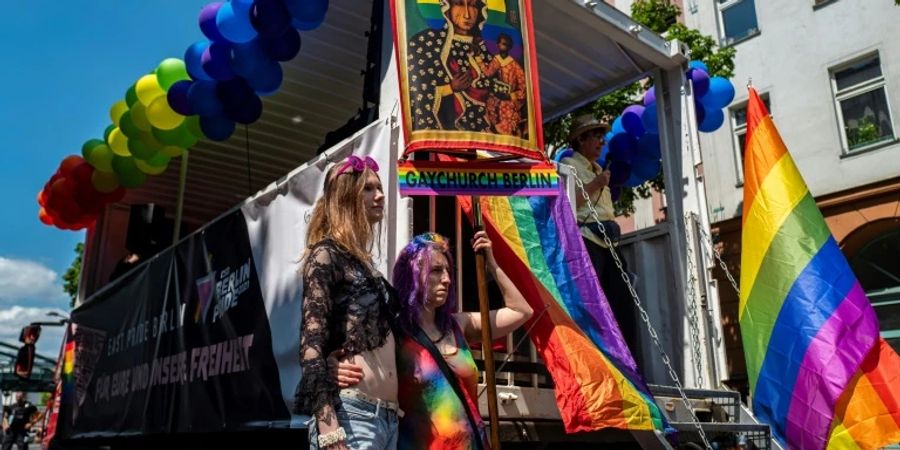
<point>346,311</point>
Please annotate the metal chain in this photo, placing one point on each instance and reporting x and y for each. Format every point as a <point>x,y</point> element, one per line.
<point>721,261</point>
<point>643,312</point>
<point>693,320</point>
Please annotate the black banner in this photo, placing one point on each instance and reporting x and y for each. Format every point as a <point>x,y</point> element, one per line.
<point>183,344</point>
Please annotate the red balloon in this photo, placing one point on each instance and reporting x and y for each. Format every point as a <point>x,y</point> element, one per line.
<point>44,216</point>
<point>114,196</point>
<point>70,163</point>
<point>82,173</point>
<point>42,198</point>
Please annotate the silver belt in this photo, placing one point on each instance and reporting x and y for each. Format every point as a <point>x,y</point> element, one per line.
<point>359,395</point>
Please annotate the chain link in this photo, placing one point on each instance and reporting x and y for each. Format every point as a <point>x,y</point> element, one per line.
<point>721,261</point>
<point>643,312</point>
<point>693,320</point>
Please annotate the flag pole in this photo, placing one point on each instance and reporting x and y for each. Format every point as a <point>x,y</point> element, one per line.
<point>487,351</point>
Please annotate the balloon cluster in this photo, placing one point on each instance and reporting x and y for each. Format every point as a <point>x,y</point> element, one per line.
<point>241,59</point>
<point>69,199</point>
<point>633,147</point>
<point>168,110</point>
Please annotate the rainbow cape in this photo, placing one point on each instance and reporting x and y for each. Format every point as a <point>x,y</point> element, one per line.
<point>537,243</point>
<point>819,373</point>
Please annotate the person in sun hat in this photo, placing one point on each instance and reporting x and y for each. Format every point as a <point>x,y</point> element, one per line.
<point>586,137</point>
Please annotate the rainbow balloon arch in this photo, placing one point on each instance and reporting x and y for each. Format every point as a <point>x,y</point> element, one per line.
<point>217,85</point>
<point>632,147</point>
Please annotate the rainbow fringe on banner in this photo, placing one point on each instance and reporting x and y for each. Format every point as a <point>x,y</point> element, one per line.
<point>807,326</point>
<point>537,242</point>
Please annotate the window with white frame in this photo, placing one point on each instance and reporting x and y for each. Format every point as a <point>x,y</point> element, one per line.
<point>862,106</point>
<point>739,127</point>
<point>738,20</point>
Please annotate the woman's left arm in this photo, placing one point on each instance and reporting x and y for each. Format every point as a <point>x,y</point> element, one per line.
<point>515,311</point>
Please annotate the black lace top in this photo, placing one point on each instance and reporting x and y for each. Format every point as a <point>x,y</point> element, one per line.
<point>345,306</point>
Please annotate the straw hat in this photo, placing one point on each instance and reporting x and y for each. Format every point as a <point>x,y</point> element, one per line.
<point>586,122</point>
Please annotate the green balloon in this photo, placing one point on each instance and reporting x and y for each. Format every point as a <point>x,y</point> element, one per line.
<point>140,149</point>
<point>193,125</point>
<point>160,159</point>
<point>131,96</point>
<point>89,146</point>
<point>126,124</point>
<point>107,131</point>
<point>127,172</point>
<point>171,71</point>
<point>101,158</point>
<point>178,136</point>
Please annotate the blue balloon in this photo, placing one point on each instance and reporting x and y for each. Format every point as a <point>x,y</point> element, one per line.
<point>622,147</point>
<point>649,146</point>
<point>234,23</point>
<point>608,137</point>
<point>631,120</point>
<point>234,93</point>
<point>699,112</point>
<point>216,61</point>
<point>266,79</point>
<point>620,171</point>
<point>645,168</point>
<point>177,96</point>
<point>649,119</point>
<point>307,14</point>
<point>282,48</point>
<point>720,95</point>
<point>247,57</point>
<point>217,128</point>
<point>713,120</point>
<point>697,64</point>
<point>193,60</point>
<point>617,126</point>
<point>246,112</point>
<point>633,181</point>
<point>604,153</point>
<point>564,153</point>
<point>270,18</point>
<point>203,98</point>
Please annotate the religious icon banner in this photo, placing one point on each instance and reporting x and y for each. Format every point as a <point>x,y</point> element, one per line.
<point>468,76</point>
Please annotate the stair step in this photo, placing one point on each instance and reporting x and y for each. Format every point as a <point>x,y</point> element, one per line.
<point>726,435</point>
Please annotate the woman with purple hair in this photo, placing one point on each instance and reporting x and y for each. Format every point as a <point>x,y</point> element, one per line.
<point>437,375</point>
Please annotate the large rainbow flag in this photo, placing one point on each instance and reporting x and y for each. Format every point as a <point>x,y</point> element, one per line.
<point>537,242</point>
<point>819,373</point>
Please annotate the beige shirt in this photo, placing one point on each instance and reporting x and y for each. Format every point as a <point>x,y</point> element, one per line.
<point>602,200</point>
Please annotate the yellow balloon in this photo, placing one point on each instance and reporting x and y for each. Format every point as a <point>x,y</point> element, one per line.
<point>118,142</point>
<point>162,116</point>
<point>104,182</point>
<point>101,158</point>
<point>115,113</point>
<point>139,117</point>
<point>149,169</point>
<point>172,151</point>
<point>147,89</point>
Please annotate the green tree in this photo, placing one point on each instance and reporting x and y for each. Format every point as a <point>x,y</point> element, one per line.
<point>73,275</point>
<point>661,16</point>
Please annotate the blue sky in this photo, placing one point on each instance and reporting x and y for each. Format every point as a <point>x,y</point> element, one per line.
<point>65,64</point>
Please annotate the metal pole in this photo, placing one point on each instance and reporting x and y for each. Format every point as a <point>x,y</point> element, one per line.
<point>179,202</point>
<point>487,352</point>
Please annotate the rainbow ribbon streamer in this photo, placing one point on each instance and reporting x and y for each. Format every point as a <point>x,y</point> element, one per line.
<point>819,373</point>
<point>537,243</point>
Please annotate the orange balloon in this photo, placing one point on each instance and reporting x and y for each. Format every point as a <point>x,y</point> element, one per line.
<point>44,216</point>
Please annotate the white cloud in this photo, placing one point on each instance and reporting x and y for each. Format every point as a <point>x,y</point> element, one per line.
<point>24,281</point>
<point>13,319</point>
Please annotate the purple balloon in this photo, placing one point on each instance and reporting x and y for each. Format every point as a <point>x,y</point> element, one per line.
<point>649,146</point>
<point>216,61</point>
<point>177,96</point>
<point>649,96</point>
<point>616,192</point>
<point>246,112</point>
<point>207,21</point>
<point>270,18</point>
<point>282,48</point>
<point>622,147</point>
<point>700,81</point>
<point>631,120</point>
<point>620,171</point>
<point>235,92</point>
<point>193,60</point>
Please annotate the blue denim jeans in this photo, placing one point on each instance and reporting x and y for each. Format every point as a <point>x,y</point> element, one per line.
<point>368,426</point>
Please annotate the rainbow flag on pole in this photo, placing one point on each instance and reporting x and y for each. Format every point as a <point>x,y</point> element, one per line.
<point>819,373</point>
<point>537,242</point>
